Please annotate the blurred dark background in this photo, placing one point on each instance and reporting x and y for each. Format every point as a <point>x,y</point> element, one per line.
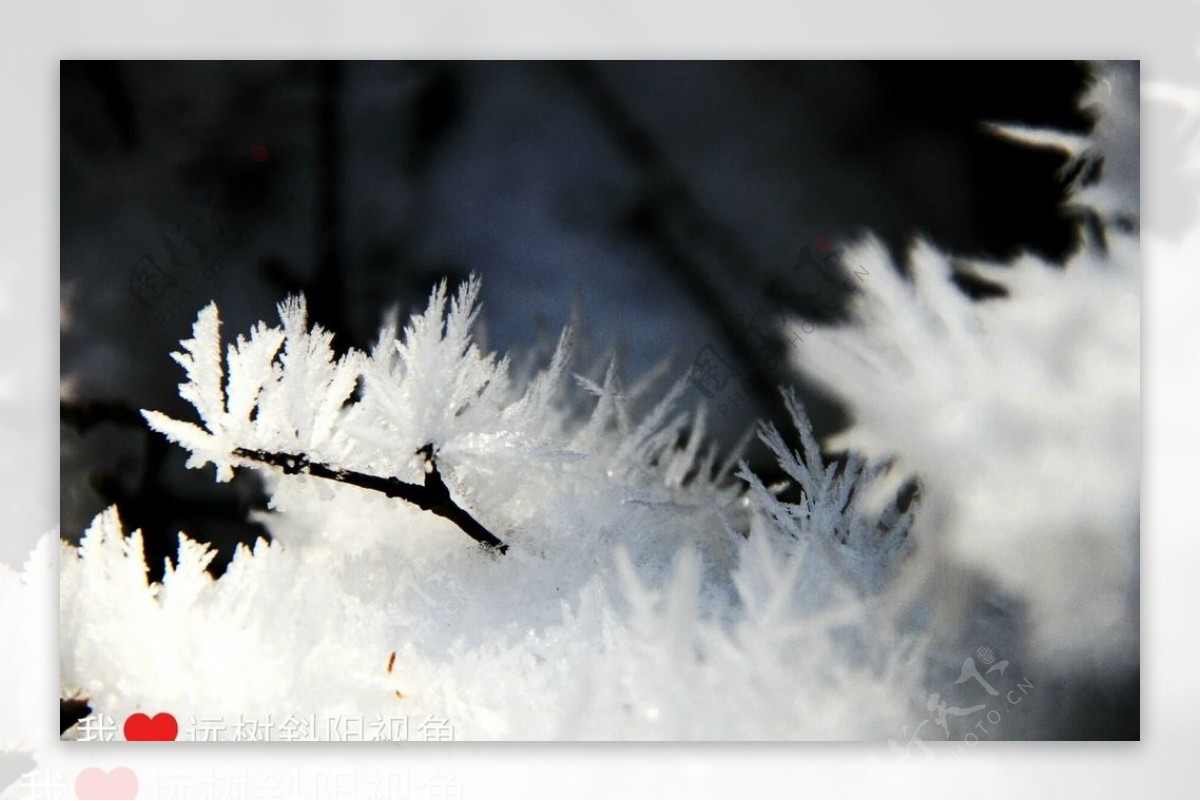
<point>672,200</point>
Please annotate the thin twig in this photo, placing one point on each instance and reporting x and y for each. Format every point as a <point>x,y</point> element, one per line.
<point>433,497</point>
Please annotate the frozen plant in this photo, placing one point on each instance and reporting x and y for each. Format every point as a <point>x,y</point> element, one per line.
<point>639,592</point>
<point>1020,415</point>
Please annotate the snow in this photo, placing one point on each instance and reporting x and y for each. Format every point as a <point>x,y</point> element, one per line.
<point>646,592</point>
<point>630,604</point>
<point>1019,416</point>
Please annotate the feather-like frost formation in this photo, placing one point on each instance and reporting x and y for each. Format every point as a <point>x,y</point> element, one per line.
<point>644,595</point>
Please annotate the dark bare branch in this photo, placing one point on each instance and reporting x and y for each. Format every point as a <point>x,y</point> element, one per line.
<point>433,497</point>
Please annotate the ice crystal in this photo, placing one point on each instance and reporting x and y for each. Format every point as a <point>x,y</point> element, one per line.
<point>644,593</point>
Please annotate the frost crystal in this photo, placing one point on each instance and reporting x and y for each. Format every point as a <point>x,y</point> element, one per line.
<point>643,594</point>
<point>1019,415</point>
<point>27,599</point>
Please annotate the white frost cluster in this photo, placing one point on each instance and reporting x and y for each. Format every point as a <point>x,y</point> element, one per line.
<point>26,628</point>
<point>1021,418</point>
<point>631,603</point>
<point>643,594</point>
<point>1019,415</point>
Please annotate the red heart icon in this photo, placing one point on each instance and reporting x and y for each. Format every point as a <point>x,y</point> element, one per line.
<point>160,727</point>
<point>117,783</point>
